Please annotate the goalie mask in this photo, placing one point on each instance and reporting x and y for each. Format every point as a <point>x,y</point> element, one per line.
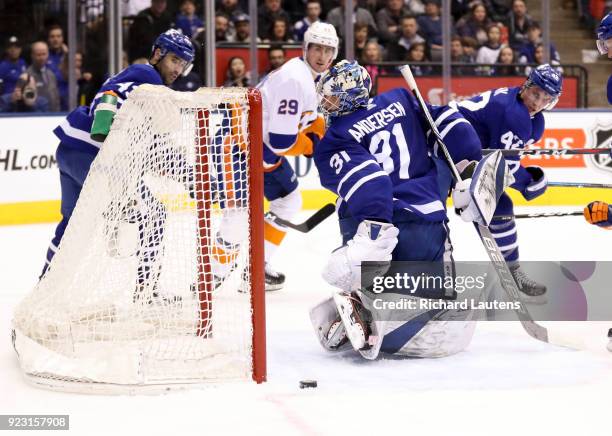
<point>344,88</point>
<point>604,33</point>
<point>549,80</point>
<point>175,42</point>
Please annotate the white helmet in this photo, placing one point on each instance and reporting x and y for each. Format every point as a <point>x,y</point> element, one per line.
<point>323,34</point>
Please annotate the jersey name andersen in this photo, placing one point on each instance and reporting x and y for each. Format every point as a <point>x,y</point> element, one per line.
<point>376,121</point>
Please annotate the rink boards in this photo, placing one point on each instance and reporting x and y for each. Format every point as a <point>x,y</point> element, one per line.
<point>30,190</point>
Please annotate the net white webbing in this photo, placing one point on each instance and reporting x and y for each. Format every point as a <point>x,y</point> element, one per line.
<point>151,282</point>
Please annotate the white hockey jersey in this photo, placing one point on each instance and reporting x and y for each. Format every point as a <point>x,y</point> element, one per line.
<point>289,106</point>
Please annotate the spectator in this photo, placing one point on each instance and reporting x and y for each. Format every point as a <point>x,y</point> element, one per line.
<point>131,8</point>
<point>534,38</point>
<point>488,53</point>
<point>361,38</point>
<point>276,57</point>
<point>418,53</point>
<point>86,88</point>
<point>416,7</point>
<point>44,77</point>
<point>360,15</point>
<point>538,59</point>
<point>12,67</point>
<point>279,32</point>
<point>461,8</point>
<point>57,53</point>
<point>147,25</point>
<point>222,28</point>
<point>388,21</point>
<point>24,97</point>
<point>237,74</point>
<point>500,9</point>
<point>475,24</point>
<point>242,27</point>
<point>506,57</point>
<point>430,25</point>
<point>458,56</point>
<point>470,46</point>
<point>187,21</point>
<point>313,14</point>
<point>229,8</point>
<point>518,22</point>
<point>372,57</point>
<point>398,50</point>
<point>268,12</point>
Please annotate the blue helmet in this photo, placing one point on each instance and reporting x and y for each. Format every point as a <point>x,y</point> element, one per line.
<point>604,32</point>
<point>348,81</point>
<point>174,41</point>
<point>548,79</point>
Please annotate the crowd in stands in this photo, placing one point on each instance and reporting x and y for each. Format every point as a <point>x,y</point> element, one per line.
<point>497,33</point>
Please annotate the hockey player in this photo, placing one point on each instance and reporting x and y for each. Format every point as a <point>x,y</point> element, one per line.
<point>291,127</point>
<point>604,45</point>
<point>504,118</point>
<point>374,156</point>
<point>599,213</point>
<point>172,55</point>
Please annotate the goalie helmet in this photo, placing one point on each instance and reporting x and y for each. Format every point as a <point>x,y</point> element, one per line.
<point>344,88</point>
<point>175,42</point>
<point>604,32</point>
<point>549,80</point>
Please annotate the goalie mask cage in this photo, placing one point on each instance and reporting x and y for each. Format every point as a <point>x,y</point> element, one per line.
<point>158,281</point>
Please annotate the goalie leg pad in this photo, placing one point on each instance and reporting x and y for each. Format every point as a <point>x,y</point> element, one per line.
<point>328,326</point>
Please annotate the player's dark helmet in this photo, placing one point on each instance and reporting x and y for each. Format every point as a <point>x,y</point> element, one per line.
<point>549,80</point>
<point>348,81</point>
<point>604,32</point>
<point>175,42</point>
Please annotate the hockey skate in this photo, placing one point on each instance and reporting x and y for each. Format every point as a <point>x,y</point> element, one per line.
<point>532,292</point>
<point>274,279</point>
<point>336,336</point>
<point>355,319</point>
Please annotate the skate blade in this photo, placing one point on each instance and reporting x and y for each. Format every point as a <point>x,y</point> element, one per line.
<point>354,331</point>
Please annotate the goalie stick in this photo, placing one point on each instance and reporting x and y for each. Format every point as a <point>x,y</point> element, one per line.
<point>497,259</point>
<point>315,219</point>
<point>548,151</point>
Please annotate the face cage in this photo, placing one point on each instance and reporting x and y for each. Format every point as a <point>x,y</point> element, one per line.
<point>336,107</point>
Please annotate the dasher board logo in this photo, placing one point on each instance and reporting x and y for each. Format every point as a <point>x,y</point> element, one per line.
<point>601,137</point>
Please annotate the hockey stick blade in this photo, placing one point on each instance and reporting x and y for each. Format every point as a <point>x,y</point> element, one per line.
<point>580,185</point>
<point>317,218</point>
<point>506,279</point>
<point>549,151</point>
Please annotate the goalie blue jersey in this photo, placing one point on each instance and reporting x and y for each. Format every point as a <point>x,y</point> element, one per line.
<point>376,159</point>
<point>74,130</point>
<point>610,89</point>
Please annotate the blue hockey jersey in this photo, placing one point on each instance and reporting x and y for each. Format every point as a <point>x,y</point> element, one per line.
<point>500,120</point>
<point>376,159</point>
<point>74,131</point>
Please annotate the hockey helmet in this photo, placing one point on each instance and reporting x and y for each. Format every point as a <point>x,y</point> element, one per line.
<point>323,34</point>
<point>344,88</point>
<point>604,32</point>
<point>174,41</point>
<point>549,80</point>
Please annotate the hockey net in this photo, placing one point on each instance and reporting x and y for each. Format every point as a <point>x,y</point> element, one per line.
<point>158,280</point>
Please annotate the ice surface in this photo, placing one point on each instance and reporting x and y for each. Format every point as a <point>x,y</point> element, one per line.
<point>505,383</point>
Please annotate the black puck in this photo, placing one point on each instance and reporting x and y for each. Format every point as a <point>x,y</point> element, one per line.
<point>308,384</point>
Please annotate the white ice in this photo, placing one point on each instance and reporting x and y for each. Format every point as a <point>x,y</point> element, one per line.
<point>505,383</point>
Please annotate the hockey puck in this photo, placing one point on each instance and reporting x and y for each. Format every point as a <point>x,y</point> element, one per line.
<point>308,384</point>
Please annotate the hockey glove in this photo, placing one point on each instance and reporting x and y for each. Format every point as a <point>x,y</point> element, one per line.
<point>373,242</point>
<point>538,183</point>
<point>599,214</point>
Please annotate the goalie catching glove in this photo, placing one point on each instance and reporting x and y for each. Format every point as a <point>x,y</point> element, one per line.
<point>476,197</point>
<point>373,242</point>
